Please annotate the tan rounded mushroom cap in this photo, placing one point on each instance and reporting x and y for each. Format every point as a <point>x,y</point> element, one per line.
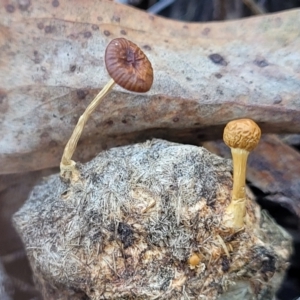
<point>194,260</point>
<point>128,66</point>
<point>243,134</point>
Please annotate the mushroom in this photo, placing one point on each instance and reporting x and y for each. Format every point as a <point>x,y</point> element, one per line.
<point>242,136</point>
<point>129,67</point>
<point>194,260</point>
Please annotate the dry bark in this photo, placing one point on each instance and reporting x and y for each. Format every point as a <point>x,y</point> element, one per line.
<point>51,66</point>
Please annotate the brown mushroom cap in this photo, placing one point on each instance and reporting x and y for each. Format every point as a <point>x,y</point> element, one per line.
<point>128,66</point>
<point>243,134</point>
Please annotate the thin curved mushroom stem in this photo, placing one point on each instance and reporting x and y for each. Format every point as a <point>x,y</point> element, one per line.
<point>67,166</point>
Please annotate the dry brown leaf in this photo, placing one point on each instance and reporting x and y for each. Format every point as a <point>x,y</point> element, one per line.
<point>51,66</point>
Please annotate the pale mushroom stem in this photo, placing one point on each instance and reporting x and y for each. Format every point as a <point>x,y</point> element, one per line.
<point>235,212</point>
<point>67,166</point>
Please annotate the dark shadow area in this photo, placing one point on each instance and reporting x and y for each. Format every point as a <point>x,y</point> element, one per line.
<point>290,288</point>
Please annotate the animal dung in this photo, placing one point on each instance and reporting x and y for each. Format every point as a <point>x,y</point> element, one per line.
<point>144,221</point>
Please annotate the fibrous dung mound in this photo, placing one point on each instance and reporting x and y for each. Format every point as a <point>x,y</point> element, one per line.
<point>145,222</point>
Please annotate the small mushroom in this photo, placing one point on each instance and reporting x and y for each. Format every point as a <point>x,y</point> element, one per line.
<point>194,261</point>
<point>129,67</point>
<point>242,136</point>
